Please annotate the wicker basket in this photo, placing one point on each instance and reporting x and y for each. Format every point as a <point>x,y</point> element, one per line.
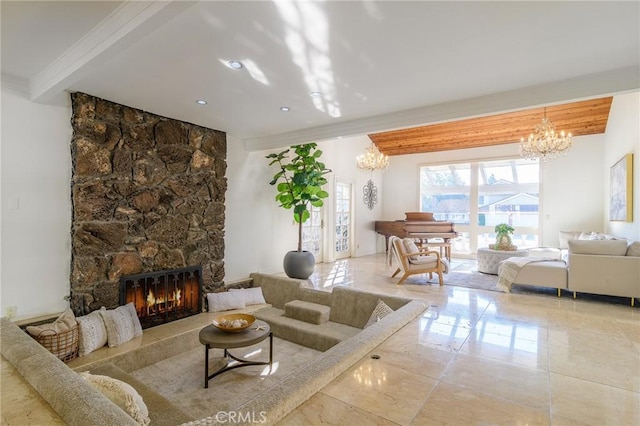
<point>63,345</point>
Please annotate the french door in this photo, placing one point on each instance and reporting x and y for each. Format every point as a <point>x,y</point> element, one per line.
<point>343,220</point>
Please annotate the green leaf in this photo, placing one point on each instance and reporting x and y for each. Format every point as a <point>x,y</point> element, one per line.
<point>282,187</point>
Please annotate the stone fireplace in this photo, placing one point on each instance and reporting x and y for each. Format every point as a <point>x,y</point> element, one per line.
<point>148,195</point>
<point>163,296</point>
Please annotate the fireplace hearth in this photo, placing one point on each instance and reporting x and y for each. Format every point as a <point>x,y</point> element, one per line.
<point>163,296</point>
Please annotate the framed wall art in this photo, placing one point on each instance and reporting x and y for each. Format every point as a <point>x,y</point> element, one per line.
<point>621,191</point>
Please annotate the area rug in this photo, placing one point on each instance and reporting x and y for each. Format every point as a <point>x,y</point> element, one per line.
<point>471,279</point>
<point>180,379</point>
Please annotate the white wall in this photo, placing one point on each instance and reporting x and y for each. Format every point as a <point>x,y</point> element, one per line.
<point>572,188</point>
<point>340,155</point>
<point>623,137</point>
<point>258,233</point>
<point>571,185</point>
<point>36,205</point>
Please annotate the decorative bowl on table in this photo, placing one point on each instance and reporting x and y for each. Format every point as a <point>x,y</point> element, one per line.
<point>233,322</point>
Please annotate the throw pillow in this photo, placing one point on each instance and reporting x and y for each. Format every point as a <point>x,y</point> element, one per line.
<point>411,247</point>
<point>566,236</point>
<point>598,236</point>
<point>64,322</point>
<point>602,247</point>
<point>137,327</point>
<point>380,311</point>
<point>60,346</point>
<point>122,394</point>
<point>634,249</point>
<point>252,295</point>
<point>93,334</point>
<point>225,301</point>
<point>585,235</point>
<point>119,324</point>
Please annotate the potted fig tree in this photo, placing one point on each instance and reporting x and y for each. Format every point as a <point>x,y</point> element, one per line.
<point>299,183</point>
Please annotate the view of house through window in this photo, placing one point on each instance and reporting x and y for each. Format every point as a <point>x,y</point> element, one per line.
<point>477,196</point>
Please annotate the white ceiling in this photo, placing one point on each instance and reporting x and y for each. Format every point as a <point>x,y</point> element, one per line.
<point>379,65</point>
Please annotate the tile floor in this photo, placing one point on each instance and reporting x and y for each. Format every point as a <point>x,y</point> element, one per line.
<point>475,357</point>
<point>481,357</point>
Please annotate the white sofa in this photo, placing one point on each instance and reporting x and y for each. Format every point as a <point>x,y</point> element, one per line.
<point>607,267</point>
<point>598,266</point>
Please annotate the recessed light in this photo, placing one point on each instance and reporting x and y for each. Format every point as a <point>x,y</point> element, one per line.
<point>201,102</point>
<point>285,109</point>
<point>236,65</point>
<point>315,94</point>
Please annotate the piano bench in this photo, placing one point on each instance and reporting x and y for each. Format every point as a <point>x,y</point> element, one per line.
<point>445,247</point>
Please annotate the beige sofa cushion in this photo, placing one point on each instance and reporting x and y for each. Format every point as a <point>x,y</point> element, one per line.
<point>353,308</point>
<point>601,247</point>
<point>306,311</point>
<point>565,236</point>
<point>277,290</point>
<point>551,273</point>
<point>634,249</point>
<point>320,337</point>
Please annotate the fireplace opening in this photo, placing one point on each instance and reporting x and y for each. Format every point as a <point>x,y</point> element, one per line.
<point>163,296</point>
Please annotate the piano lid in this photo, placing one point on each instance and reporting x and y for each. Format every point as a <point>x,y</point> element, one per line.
<point>411,216</point>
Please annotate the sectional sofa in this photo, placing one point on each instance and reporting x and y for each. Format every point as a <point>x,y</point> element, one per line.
<point>608,267</point>
<point>341,332</point>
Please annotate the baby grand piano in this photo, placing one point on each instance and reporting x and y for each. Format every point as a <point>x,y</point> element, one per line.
<point>420,226</point>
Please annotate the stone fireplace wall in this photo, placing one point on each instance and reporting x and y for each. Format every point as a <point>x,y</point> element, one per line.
<point>148,194</point>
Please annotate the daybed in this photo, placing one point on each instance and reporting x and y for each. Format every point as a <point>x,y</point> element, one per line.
<point>78,404</point>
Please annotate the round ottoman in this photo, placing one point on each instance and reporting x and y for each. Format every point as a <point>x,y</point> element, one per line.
<point>488,260</point>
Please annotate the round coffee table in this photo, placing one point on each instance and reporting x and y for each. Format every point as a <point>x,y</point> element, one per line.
<point>213,337</point>
<point>489,260</point>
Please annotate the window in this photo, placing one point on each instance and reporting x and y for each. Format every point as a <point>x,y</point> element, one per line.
<point>503,191</point>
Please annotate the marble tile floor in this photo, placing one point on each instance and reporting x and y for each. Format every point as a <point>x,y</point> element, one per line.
<point>475,357</point>
<point>478,357</point>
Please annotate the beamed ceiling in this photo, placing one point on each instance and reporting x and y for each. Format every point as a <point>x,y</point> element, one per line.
<point>579,118</point>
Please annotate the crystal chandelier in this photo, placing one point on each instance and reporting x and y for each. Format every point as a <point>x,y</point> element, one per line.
<point>372,160</point>
<point>544,142</point>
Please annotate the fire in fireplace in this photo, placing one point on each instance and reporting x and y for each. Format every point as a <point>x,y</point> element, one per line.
<point>163,296</point>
